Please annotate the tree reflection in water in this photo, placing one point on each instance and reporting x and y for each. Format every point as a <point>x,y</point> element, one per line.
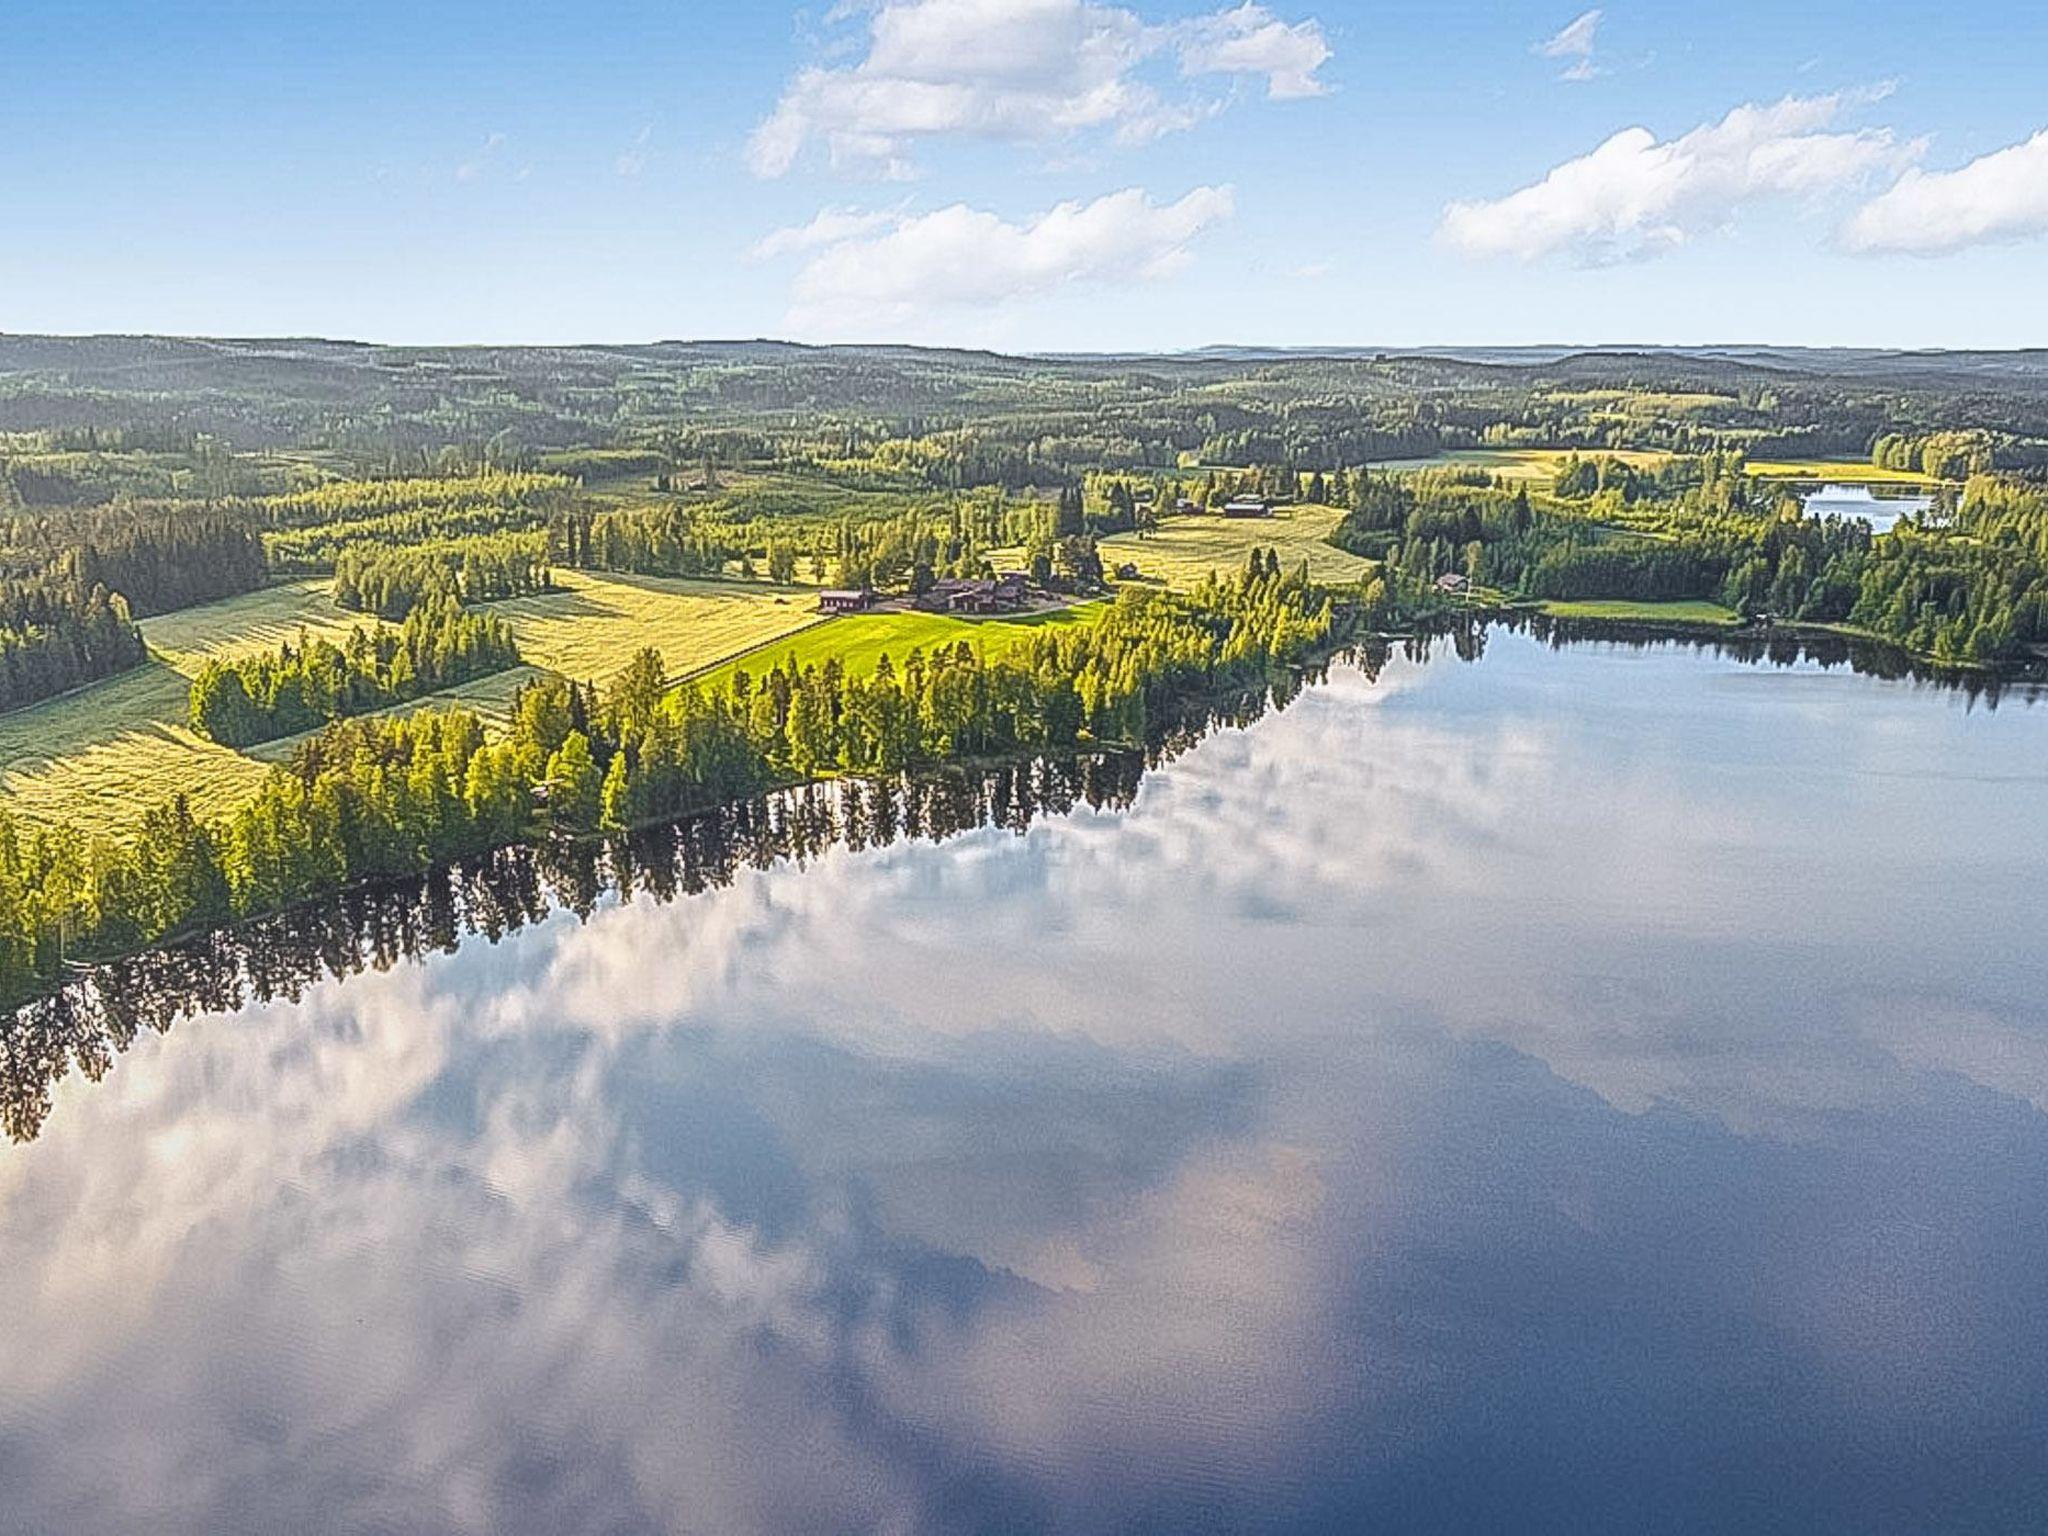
<point>91,1021</point>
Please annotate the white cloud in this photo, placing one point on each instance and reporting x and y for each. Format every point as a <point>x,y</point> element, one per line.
<point>830,227</point>
<point>1252,41</point>
<point>1029,70</point>
<point>1637,195</point>
<point>1997,197</point>
<point>1575,41</point>
<point>875,273</point>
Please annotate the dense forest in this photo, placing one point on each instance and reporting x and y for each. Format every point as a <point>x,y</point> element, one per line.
<point>57,634</point>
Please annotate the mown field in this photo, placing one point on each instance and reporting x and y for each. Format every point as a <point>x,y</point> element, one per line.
<point>96,759</point>
<point>1531,464</point>
<point>1182,550</point>
<point>1839,471</point>
<point>594,625</point>
<point>860,640</point>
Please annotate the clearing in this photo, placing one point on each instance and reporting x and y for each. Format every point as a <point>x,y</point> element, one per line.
<point>592,627</point>
<point>1184,549</point>
<point>860,640</point>
<point>1530,464</point>
<point>97,758</point>
<point>1839,471</point>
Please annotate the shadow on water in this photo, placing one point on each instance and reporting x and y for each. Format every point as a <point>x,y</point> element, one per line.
<point>92,1020</point>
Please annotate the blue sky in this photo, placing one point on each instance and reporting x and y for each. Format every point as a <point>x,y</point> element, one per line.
<point>1029,174</point>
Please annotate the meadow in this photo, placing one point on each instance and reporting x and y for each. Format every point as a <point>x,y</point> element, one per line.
<point>1534,465</point>
<point>859,641</point>
<point>97,758</point>
<point>1182,550</point>
<point>1837,471</point>
<point>594,624</point>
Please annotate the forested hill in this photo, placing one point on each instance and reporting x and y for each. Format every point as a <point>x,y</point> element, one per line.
<point>256,394</point>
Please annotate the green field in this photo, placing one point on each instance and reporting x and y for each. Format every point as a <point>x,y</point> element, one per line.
<point>1839,471</point>
<point>1182,550</point>
<point>1531,464</point>
<point>97,758</point>
<point>860,640</point>
<point>1622,611</point>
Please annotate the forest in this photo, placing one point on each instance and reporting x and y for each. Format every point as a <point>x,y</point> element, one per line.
<point>400,523</point>
<point>386,796</point>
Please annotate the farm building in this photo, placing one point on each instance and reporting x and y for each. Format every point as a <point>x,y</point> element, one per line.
<point>1248,506</point>
<point>845,601</point>
<point>959,595</point>
<point>1452,582</point>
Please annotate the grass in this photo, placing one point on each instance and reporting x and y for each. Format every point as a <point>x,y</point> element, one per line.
<point>860,640</point>
<point>1532,464</point>
<point>1840,471</point>
<point>592,627</point>
<point>1623,611</point>
<point>1182,550</point>
<point>97,758</point>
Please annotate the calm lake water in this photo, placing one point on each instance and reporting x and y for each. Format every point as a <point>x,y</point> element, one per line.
<point>1581,1090</point>
<point>1882,509</point>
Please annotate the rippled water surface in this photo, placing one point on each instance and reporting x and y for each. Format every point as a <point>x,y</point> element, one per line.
<point>1592,1090</point>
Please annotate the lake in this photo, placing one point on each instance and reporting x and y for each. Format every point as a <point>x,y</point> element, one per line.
<point>1578,1089</point>
<point>1882,509</point>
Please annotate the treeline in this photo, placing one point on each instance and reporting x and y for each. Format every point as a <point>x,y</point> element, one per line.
<point>160,556</point>
<point>1968,587</point>
<point>57,634</point>
<point>1942,455</point>
<point>391,581</point>
<point>650,541</point>
<point>387,796</point>
<point>241,702</point>
<point>307,531</point>
<point>453,497</point>
<point>163,561</point>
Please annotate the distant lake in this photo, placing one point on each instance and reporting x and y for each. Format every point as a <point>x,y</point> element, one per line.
<point>1593,1089</point>
<point>1881,509</point>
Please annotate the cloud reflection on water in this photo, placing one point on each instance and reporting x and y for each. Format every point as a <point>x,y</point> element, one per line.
<point>1561,1091</point>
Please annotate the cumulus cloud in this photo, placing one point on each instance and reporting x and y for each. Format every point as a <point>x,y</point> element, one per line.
<point>1637,195</point>
<point>873,272</point>
<point>1028,70</point>
<point>1997,197</point>
<point>1575,41</point>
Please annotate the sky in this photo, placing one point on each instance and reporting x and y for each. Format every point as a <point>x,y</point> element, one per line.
<point>1029,175</point>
